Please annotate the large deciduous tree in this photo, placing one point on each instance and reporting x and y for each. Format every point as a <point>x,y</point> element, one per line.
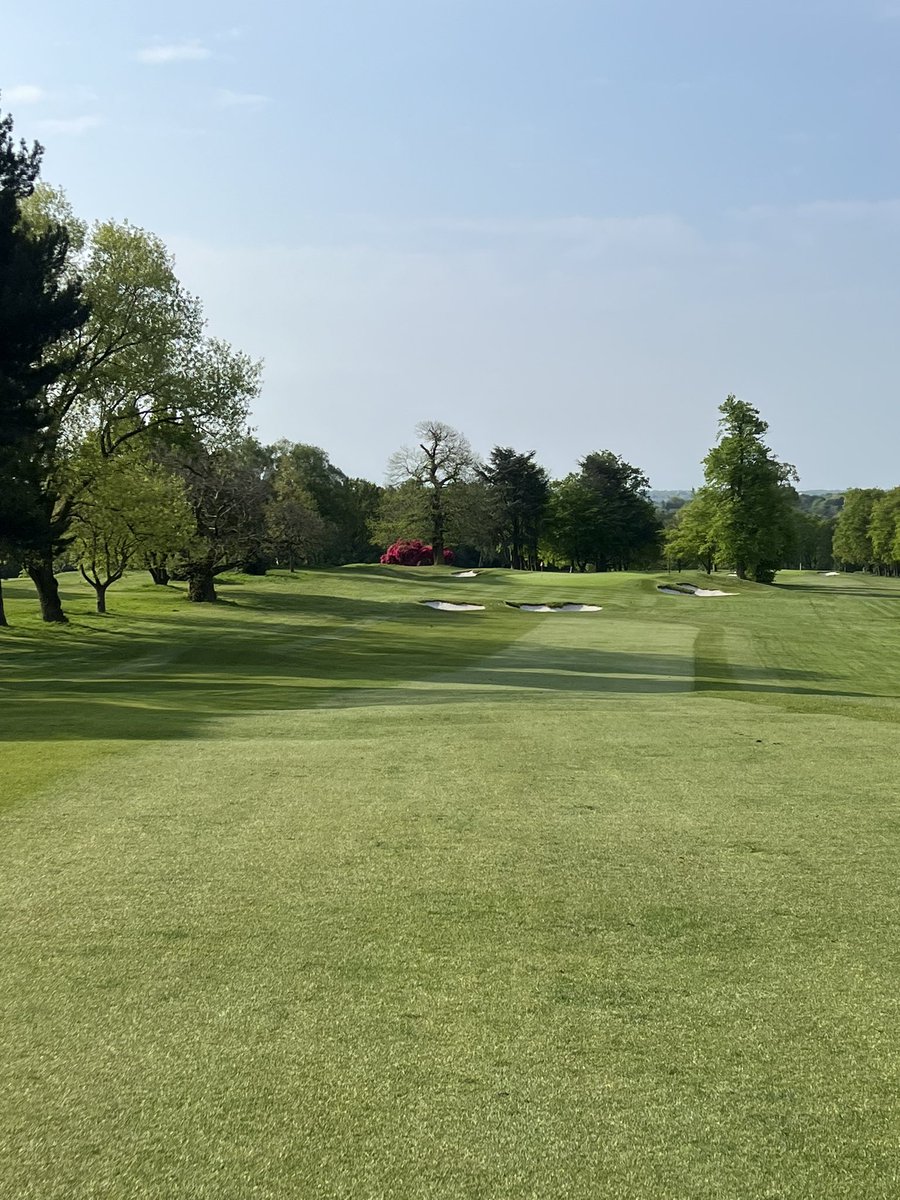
<point>884,532</point>
<point>295,530</point>
<point>442,458</point>
<point>751,495</point>
<point>41,306</point>
<point>853,535</point>
<point>690,539</point>
<point>134,508</point>
<point>140,368</point>
<point>227,490</point>
<point>344,506</point>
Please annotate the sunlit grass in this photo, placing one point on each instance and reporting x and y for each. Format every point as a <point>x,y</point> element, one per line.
<point>321,893</point>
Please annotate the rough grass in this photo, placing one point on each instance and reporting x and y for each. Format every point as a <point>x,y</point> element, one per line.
<point>321,893</point>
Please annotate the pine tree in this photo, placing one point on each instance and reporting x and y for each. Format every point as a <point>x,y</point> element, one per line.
<point>39,307</point>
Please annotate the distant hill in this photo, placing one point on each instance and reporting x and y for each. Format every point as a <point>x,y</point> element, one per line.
<point>661,495</point>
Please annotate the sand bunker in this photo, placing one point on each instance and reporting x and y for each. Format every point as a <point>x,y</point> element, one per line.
<point>831,573</point>
<point>465,574</point>
<point>688,589</point>
<point>554,608</point>
<point>449,606</point>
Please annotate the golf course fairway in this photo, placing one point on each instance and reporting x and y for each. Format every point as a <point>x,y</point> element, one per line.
<point>322,893</point>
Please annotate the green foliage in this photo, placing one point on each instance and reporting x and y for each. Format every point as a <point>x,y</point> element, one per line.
<point>296,532</point>
<point>690,540</point>
<point>812,540</point>
<point>133,509</point>
<point>750,495</point>
<point>601,517</point>
<point>140,368</point>
<point>885,530</point>
<point>571,522</point>
<point>41,309</point>
<point>345,507</point>
<point>227,490</point>
<point>518,494</point>
<point>852,538</point>
<point>441,459</point>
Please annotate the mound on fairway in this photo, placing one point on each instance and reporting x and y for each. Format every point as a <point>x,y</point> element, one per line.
<point>452,606</point>
<point>554,608</point>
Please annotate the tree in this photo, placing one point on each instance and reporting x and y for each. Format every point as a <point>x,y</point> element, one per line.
<point>627,524</point>
<point>750,494</point>
<point>140,368</point>
<point>403,514</point>
<point>852,535</point>
<point>689,538</point>
<point>570,529</point>
<point>40,309</point>
<point>812,540</point>
<point>442,458</point>
<point>133,508</point>
<point>226,490</point>
<point>518,495</point>
<point>884,531</point>
<point>295,530</point>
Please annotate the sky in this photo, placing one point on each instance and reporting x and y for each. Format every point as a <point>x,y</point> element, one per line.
<point>559,225</point>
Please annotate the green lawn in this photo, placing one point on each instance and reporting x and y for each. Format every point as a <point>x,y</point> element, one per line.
<point>320,893</point>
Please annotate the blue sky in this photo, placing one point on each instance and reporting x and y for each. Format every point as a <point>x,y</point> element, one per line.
<point>562,225</point>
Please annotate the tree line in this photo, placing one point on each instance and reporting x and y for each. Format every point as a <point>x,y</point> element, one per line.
<point>124,442</point>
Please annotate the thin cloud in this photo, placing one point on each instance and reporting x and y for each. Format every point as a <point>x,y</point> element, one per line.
<point>173,52</point>
<point>228,99</point>
<point>25,93</point>
<point>69,126</point>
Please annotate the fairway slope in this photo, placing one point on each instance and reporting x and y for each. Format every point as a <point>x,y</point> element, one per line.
<point>320,893</point>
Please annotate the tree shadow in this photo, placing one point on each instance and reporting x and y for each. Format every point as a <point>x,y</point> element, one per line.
<point>860,593</point>
<point>177,691</point>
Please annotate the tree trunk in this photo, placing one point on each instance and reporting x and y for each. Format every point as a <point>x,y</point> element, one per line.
<point>202,587</point>
<point>41,572</point>
<point>159,575</point>
<point>100,589</point>
<point>4,624</point>
<point>437,528</point>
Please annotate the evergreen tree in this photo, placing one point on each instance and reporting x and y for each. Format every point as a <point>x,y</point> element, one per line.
<point>518,495</point>
<point>39,308</point>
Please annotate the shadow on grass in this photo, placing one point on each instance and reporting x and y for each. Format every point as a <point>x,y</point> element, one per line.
<point>860,593</point>
<point>175,691</point>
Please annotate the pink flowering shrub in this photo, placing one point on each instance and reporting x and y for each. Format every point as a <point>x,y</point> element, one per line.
<point>412,553</point>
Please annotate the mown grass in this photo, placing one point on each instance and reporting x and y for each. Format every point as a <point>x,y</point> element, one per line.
<point>321,893</point>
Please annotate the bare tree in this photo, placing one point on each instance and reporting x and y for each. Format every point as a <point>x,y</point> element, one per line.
<point>442,457</point>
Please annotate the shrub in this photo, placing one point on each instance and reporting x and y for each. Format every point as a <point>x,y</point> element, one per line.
<point>412,553</point>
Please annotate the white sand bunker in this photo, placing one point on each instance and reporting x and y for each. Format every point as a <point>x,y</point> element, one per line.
<point>465,574</point>
<point>830,573</point>
<point>688,589</point>
<point>554,608</point>
<point>449,606</point>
